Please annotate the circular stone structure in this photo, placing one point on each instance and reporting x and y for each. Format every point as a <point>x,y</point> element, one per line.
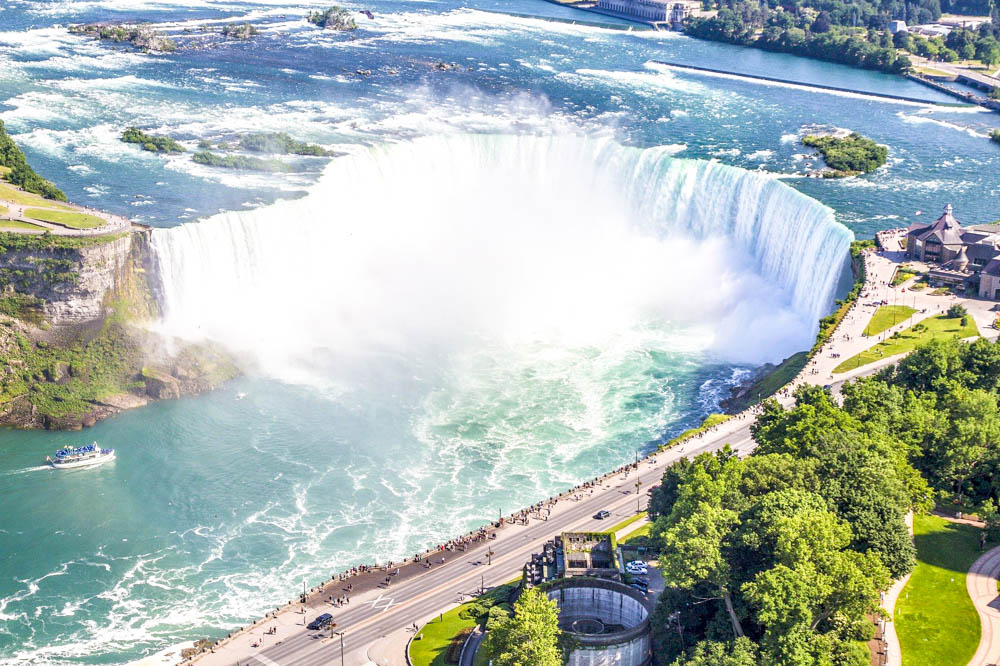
<point>607,621</point>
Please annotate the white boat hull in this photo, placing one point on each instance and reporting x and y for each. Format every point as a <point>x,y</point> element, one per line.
<point>88,461</point>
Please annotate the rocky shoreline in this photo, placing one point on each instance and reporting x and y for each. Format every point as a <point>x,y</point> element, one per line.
<point>75,346</point>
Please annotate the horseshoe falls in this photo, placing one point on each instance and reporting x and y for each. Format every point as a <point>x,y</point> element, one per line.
<point>445,246</point>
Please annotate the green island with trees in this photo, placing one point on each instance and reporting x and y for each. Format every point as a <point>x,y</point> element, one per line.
<point>239,31</point>
<point>334,18</point>
<point>243,162</point>
<point>17,171</point>
<point>280,143</point>
<point>143,37</point>
<point>152,142</point>
<point>780,557</point>
<point>848,156</point>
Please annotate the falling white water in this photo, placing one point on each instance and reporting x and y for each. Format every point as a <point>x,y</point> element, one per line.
<point>426,249</point>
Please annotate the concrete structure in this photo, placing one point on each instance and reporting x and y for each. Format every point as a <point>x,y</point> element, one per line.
<point>897,26</point>
<point>931,30</point>
<point>650,10</point>
<point>589,554</point>
<point>608,622</point>
<point>961,257</point>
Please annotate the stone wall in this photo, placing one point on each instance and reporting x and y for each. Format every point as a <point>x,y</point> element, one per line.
<point>613,604</point>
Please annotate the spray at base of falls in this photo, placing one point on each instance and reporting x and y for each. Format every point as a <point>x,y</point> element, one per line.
<point>421,248</point>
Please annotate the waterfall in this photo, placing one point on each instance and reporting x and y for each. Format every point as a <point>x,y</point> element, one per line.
<point>409,250</point>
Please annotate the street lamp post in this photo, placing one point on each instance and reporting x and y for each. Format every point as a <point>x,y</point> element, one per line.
<point>638,498</point>
<point>303,602</point>
<point>341,634</point>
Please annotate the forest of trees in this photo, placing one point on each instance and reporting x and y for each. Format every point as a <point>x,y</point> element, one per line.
<point>777,558</point>
<point>852,33</point>
<point>21,173</point>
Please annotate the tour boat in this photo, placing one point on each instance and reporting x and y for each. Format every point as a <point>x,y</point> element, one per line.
<point>85,456</point>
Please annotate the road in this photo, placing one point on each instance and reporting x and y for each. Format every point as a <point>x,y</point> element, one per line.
<point>981,582</point>
<point>379,613</point>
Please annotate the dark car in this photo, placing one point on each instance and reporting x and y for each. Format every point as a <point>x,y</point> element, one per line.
<point>323,620</point>
<point>602,514</point>
<point>642,587</point>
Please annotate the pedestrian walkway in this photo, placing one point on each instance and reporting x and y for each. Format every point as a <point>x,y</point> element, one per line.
<point>981,582</point>
<point>16,212</point>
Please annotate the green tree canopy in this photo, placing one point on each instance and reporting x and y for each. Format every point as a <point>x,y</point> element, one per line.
<point>528,638</point>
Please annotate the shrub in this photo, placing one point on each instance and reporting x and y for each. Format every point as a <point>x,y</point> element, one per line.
<point>956,311</point>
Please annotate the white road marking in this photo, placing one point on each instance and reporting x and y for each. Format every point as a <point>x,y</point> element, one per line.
<point>264,660</point>
<point>386,603</point>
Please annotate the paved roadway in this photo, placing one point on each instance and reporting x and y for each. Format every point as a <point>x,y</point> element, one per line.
<point>981,582</point>
<point>376,614</point>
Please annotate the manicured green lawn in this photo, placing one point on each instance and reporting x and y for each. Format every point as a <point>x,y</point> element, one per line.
<point>73,220</point>
<point>3,210</point>
<point>636,534</point>
<point>18,224</point>
<point>628,521</point>
<point>886,317</point>
<point>436,636</point>
<point>710,420</point>
<point>11,193</point>
<point>940,326</point>
<point>935,619</point>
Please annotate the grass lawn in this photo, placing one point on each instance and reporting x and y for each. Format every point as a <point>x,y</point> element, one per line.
<point>627,522</point>
<point>72,220</point>
<point>710,420</point>
<point>886,317</point>
<point>11,193</point>
<point>902,275</point>
<point>935,619</point>
<point>436,635</point>
<point>940,326</point>
<point>3,210</point>
<point>639,533</point>
<point>18,224</point>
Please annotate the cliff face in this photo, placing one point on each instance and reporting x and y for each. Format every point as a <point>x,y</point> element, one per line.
<point>73,348</point>
<point>69,282</point>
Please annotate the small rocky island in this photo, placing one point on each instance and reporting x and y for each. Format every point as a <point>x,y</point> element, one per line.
<point>847,154</point>
<point>144,37</point>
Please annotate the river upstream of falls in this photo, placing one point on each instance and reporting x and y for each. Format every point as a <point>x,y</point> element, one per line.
<point>519,271</point>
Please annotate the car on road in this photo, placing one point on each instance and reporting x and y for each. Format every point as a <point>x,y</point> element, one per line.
<point>636,563</point>
<point>636,569</point>
<point>642,587</point>
<point>322,621</point>
<point>602,514</point>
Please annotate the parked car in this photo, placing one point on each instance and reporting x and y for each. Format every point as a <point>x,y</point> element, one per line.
<point>637,570</point>
<point>636,563</point>
<point>602,514</point>
<point>322,621</point>
<point>642,587</point>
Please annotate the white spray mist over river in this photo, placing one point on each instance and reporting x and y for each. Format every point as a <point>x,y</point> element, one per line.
<point>444,247</point>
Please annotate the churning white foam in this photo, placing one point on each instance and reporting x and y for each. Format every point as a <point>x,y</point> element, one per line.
<point>445,244</point>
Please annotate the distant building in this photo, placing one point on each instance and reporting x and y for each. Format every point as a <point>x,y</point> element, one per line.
<point>650,10</point>
<point>960,256</point>
<point>897,26</point>
<point>931,30</point>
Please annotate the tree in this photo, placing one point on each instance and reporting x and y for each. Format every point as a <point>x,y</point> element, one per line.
<point>822,23</point>
<point>530,637</point>
<point>740,652</point>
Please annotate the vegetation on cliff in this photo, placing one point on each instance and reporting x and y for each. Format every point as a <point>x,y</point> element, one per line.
<point>334,18</point>
<point>279,143</point>
<point>71,375</point>
<point>19,172</point>
<point>848,156</point>
<point>239,162</point>
<point>152,142</point>
<point>143,37</point>
<point>995,136</point>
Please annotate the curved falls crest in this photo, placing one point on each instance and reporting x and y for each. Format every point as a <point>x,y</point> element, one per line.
<point>418,248</point>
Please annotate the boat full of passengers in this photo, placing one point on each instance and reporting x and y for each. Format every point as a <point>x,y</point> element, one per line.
<point>84,456</point>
